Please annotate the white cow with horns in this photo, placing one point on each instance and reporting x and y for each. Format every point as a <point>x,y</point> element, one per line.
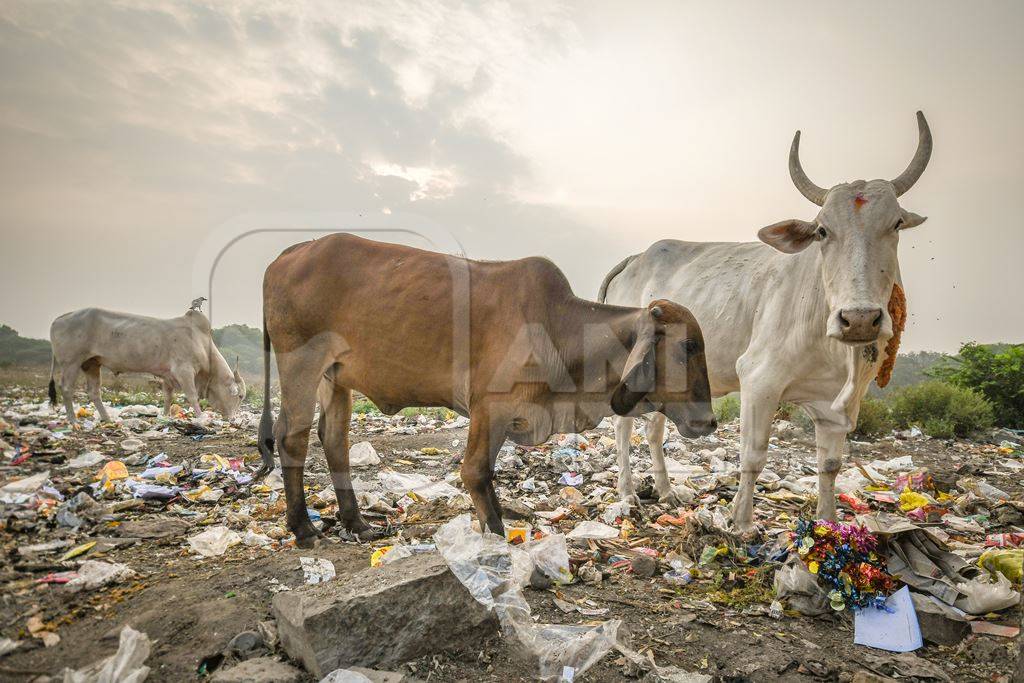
<point>804,317</point>
<point>180,351</point>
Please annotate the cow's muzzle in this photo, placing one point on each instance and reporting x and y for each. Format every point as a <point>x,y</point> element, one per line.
<point>857,325</point>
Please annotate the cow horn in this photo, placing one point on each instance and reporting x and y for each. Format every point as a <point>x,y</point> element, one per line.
<point>803,183</point>
<point>906,180</point>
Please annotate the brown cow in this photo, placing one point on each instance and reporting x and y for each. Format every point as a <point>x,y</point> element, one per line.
<point>505,343</point>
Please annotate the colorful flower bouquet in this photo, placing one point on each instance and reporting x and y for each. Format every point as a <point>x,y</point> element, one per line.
<point>843,558</point>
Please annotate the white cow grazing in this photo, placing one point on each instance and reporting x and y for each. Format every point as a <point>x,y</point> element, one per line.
<point>180,351</point>
<point>806,321</point>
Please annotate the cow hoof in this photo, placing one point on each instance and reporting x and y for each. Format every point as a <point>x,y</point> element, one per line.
<point>369,534</point>
<point>676,496</point>
<point>748,534</point>
<point>307,542</point>
<point>632,499</point>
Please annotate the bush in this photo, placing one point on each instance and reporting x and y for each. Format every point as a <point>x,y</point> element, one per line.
<point>941,409</point>
<point>874,419</point>
<point>726,408</point>
<point>997,373</point>
<point>796,415</point>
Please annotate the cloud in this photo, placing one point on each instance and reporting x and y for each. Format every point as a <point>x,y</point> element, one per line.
<point>148,123</point>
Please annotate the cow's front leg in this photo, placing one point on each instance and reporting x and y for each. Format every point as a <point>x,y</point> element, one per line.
<point>662,484</point>
<point>829,439</point>
<point>187,382</point>
<point>623,435</point>
<point>757,409</point>
<point>482,445</point>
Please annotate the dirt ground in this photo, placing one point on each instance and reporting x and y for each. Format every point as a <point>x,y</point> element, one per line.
<point>192,607</point>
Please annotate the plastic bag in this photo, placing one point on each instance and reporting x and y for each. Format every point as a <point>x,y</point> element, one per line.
<point>1008,562</point>
<point>484,564</point>
<point>126,666</point>
<point>799,588</point>
<point>362,454</point>
<point>214,541</point>
<point>592,529</point>
<point>981,597</point>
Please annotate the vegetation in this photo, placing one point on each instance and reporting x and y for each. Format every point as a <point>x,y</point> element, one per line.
<point>875,418</point>
<point>941,410</point>
<point>726,408</point>
<point>995,372</point>
<point>16,350</point>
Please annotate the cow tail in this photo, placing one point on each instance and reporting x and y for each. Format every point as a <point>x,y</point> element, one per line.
<point>53,386</point>
<point>266,435</point>
<point>612,274</point>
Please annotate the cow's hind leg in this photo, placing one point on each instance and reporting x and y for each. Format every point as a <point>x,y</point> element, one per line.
<point>477,471</point>
<point>68,378</point>
<point>168,397</point>
<point>299,379</point>
<point>335,414</point>
<point>623,434</point>
<point>91,368</point>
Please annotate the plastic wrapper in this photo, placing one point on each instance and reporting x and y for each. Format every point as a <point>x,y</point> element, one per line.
<point>126,666</point>
<point>94,574</point>
<point>485,565</point>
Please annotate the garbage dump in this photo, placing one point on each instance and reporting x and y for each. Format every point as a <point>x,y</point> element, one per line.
<point>157,523</point>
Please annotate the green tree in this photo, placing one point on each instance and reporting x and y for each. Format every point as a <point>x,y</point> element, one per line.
<point>997,373</point>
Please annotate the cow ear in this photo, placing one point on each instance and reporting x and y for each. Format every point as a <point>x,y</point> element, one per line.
<point>637,376</point>
<point>789,237</point>
<point>909,219</point>
<point>234,372</point>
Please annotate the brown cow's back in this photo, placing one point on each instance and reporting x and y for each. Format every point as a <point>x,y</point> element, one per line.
<point>365,302</point>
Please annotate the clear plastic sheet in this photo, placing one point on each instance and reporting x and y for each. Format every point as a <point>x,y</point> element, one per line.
<point>485,565</point>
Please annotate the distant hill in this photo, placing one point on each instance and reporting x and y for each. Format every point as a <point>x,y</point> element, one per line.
<point>243,342</point>
<point>233,340</point>
<point>912,368</point>
<point>18,350</point>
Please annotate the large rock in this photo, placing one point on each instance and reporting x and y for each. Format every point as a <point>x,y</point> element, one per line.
<point>380,617</point>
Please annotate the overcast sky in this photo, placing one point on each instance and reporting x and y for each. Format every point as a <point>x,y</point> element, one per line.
<point>138,137</point>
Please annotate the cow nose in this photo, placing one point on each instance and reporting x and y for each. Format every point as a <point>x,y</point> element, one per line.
<point>860,324</point>
<point>704,427</point>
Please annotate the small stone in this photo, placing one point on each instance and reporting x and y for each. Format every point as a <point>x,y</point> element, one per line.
<point>643,566</point>
<point>258,670</point>
<point>246,644</point>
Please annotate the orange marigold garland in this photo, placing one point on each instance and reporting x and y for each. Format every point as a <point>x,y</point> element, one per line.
<point>898,313</point>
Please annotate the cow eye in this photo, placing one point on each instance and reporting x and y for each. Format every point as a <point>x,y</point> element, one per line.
<point>822,232</point>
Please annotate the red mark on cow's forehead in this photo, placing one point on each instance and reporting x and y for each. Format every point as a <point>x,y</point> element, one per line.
<point>859,201</point>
